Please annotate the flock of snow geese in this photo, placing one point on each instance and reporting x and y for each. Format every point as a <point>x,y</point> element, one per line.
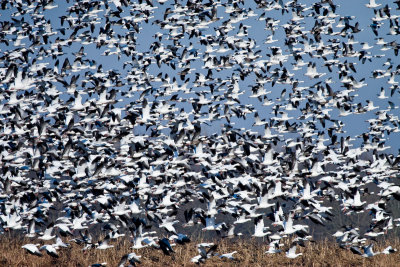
<point>106,108</point>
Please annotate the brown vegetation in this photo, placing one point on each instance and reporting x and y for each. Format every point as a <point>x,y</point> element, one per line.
<point>250,252</point>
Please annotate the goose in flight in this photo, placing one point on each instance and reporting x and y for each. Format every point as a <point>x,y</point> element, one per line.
<point>32,249</point>
<point>291,253</point>
<point>50,250</point>
<point>130,258</point>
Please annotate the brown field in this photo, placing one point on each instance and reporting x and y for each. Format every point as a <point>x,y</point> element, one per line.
<point>249,253</point>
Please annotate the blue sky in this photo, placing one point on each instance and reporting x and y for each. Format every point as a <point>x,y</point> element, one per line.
<point>355,124</point>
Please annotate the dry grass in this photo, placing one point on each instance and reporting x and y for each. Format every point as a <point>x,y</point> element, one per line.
<point>250,253</point>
